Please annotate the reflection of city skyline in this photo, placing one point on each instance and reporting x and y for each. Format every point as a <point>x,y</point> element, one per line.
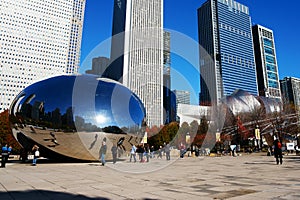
<point>67,122</point>
<point>47,104</point>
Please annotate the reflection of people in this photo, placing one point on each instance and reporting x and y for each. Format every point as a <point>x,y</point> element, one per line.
<point>114,151</point>
<point>120,143</point>
<point>36,154</point>
<point>277,151</point>
<point>4,155</point>
<point>103,152</point>
<point>54,140</point>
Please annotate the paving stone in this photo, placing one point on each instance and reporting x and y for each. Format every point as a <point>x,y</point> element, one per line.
<point>251,176</point>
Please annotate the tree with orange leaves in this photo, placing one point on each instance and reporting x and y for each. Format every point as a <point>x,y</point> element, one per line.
<point>6,136</point>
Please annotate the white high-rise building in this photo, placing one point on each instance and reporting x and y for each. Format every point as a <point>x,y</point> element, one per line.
<point>182,97</point>
<point>38,39</point>
<point>137,52</point>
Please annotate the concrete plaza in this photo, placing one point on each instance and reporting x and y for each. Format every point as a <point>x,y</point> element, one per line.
<point>254,176</point>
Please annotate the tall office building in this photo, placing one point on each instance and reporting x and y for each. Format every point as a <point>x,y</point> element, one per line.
<point>38,39</point>
<point>137,52</point>
<point>169,106</point>
<point>99,65</point>
<point>290,89</point>
<point>266,62</point>
<point>182,97</point>
<point>226,53</point>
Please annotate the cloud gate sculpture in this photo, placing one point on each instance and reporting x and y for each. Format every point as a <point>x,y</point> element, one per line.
<point>70,116</point>
<point>241,101</point>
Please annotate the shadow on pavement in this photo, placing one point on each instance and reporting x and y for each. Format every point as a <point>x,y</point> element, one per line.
<point>45,194</point>
<point>292,158</point>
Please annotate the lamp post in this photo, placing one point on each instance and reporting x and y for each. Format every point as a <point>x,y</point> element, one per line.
<point>238,142</point>
<point>278,127</point>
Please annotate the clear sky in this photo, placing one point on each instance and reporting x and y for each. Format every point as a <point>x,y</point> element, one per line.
<point>181,15</point>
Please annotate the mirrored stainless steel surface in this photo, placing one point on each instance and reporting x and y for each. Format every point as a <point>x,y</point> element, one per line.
<point>72,115</point>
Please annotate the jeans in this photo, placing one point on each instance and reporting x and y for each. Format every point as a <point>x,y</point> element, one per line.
<point>132,155</point>
<point>103,159</point>
<point>34,161</point>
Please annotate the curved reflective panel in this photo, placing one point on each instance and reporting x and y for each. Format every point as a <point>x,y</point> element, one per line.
<point>270,105</point>
<point>241,101</point>
<point>72,115</point>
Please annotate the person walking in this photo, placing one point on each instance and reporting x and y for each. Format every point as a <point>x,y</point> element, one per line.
<point>146,152</point>
<point>133,152</point>
<point>278,151</point>
<point>152,151</point>
<point>182,150</point>
<point>167,151</point>
<point>36,154</point>
<point>102,152</point>
<point>160,152</point>
<point>114,151</point>
<point>141,151</point>
<point>4,156</point>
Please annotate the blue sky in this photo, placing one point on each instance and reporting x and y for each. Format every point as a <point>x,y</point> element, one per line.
<point>181,15</point>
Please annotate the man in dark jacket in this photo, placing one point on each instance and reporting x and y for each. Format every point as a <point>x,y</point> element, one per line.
<point>277,151</point>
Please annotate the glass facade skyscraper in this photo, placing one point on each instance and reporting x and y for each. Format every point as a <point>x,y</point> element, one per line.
<point>226,53</point>
<point>290,89</point>
<point>266,62</point>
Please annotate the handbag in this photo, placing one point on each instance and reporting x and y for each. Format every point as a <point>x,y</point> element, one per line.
<point>37,153</point>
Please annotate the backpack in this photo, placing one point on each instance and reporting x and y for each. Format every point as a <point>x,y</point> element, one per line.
<point>279,145</point>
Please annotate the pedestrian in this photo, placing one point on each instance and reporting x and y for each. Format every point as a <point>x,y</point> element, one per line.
<point>9,150</point>
<point>147,151</point>
<point>102,152</point>
<point>114,151</point>
<point>160,152</point>
<point>167,151</point>
<point>182,150</point>
<point>278,151</point>
<point>152,151</point>
<point>133,152</point>
<point>36,154</point>
<point>4,155</point>
<point>141,150</point>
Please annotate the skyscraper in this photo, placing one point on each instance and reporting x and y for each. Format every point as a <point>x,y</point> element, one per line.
<point>99,65</point>
<point>167,79</point>
<point>137,52</point>
<point>38,39</point>
<point>226,53</point>
<point>290,88</point>
<point>182,97</point>
<point>266,62</point>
